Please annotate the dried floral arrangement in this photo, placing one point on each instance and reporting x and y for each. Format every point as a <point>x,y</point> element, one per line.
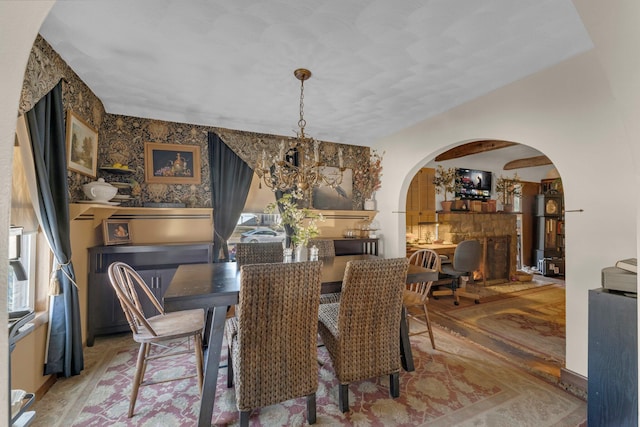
<point>369,180</point>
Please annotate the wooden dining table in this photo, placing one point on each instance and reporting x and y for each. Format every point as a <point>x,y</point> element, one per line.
<point>216,286</point>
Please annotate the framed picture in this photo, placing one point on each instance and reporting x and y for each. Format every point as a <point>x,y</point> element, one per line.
<point>116,232</point>
<point>341,197</point>
<point>171,163</point>
<point>82,146</point>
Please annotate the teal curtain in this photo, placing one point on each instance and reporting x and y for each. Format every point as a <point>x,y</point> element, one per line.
<point>230,182</point>
<point>47,132</point>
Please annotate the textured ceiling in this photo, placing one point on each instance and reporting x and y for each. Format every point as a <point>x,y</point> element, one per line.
<point>378,66</point>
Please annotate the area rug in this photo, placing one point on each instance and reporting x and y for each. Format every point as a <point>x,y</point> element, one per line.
<point>492,292</point>
<point>460,384</point>
<point>534,321</point>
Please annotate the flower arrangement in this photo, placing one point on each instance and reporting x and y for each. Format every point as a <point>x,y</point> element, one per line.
<point>506,188</point>
<point>294,217</point>
<point>445,181</point>
<point>368,179</point>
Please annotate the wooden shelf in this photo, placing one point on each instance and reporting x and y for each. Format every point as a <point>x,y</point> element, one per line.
<point>101,212</point>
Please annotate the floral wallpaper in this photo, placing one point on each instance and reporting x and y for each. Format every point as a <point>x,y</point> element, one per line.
<point>121,139</point>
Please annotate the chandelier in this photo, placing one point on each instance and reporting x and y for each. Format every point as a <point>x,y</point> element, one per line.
<point>294,168</point>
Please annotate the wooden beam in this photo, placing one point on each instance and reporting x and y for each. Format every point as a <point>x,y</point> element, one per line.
<point>527,163</point>
<point>473,148</point>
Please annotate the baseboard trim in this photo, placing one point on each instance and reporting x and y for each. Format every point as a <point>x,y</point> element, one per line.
<point>44,388</point>
<point>574,380</point>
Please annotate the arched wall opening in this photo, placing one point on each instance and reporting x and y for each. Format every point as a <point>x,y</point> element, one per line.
<point>491,230</point>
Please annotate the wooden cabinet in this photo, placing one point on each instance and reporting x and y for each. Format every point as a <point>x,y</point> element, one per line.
<point>549,234</point>
<point>156,264</point>
<point>356,246</point>
<point>421,198</point>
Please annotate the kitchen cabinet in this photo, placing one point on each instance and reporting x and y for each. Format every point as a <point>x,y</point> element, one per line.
<point>156,264</point>
<point>421,199</point>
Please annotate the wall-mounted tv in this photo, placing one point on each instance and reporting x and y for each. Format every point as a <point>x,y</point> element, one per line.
<point>474,184</point>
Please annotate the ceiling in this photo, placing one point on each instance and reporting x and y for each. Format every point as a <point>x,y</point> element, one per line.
<point>378,66</point>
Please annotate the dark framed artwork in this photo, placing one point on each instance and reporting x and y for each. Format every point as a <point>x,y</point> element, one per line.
<point>339,198</point>
<point>82,146</point>
<point>116,232</point>
<point>171,163</point>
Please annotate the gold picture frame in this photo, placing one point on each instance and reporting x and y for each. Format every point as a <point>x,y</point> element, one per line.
<point>171,163</point>
<point>82,146</point>
<point>116,232</point>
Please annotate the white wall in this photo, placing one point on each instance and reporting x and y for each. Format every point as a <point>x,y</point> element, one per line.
<point>583,114</point>
<point>570,113</point>
<point>19,25</point>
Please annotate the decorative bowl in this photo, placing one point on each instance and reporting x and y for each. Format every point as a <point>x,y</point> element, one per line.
<point>99,191</point>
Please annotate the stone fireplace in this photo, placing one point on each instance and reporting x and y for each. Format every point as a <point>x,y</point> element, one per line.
<point>497,234</point>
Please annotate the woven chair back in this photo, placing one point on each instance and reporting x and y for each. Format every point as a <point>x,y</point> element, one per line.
<point>369,317</point>
<point>277,317</point>
<point>259,253</point>
<point>326,248</point>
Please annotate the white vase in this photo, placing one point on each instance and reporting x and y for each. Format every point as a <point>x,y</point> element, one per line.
<point>302,253</point>
<point>370,205</point>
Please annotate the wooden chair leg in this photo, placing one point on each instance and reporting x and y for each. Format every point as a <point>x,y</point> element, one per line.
<point>139,376</point>
<point>394,385</point>
<point>229,368</point>
<point>244,418</point>
<point>311,408</point>
<point>197,344</point>
<point>343,397</point>
<point>426,317</point>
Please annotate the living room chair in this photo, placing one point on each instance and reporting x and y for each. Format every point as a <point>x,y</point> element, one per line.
<point>361,332</point>
<point>416,295</point>
<point>466,259</point>
<point>259,253</point>
<point>156,330</point>
<point>326,247</point>
<point>272,340</point>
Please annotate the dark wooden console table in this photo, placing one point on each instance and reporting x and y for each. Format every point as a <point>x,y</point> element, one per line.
<point>356,246</point>
<point>156,264</point>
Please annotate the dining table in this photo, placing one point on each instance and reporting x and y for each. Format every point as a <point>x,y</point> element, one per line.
<point>215,286</point>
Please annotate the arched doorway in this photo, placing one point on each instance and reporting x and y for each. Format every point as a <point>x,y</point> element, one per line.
<point>537,342</point>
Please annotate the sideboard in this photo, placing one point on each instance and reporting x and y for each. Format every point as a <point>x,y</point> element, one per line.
<point>155,263</point>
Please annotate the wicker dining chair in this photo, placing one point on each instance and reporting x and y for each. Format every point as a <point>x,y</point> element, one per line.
<point>259,253</point>
<point>326,247</point>
<point>416,295</point>
<point>154,330</point>
<point>361,332</point>
<point>272,340</point>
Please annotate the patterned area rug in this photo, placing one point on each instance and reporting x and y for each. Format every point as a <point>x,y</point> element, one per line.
<point>492,292</point>
<point>535,321</point>
<point>460,384</point>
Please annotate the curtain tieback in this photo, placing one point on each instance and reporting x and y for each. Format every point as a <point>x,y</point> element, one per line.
<point>54,283</point>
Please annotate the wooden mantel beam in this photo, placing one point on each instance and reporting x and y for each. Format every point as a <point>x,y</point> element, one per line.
<point>527,163</point>
<point>473,148</point>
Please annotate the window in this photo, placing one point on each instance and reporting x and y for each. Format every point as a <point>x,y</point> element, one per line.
<point>22,284</point>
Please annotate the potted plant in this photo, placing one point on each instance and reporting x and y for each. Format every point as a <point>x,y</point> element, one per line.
<point>445,182</point>
<point>507,188</point>
<point>300,222</point>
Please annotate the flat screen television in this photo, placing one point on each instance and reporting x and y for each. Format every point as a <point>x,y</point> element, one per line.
<point>474,184</point>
